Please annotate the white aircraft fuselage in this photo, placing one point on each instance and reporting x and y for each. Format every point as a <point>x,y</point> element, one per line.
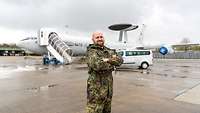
<point>78,45</point>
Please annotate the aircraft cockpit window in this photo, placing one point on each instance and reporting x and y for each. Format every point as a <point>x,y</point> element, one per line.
<point>28,38</point>
<point>25,39</point>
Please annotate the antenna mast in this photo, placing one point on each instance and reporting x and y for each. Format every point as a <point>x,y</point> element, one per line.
<point>141,36</point>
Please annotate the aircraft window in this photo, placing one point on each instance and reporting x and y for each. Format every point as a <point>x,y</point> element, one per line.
<point>76,44</point>
<point>69,43</point>
<point>32,38</point>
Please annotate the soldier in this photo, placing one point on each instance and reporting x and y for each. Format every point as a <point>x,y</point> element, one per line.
<point>101,62</point>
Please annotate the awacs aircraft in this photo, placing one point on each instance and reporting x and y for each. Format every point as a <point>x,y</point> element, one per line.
<point>51,42</point>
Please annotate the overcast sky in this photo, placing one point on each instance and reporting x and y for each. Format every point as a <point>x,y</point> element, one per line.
<point>167,21</point>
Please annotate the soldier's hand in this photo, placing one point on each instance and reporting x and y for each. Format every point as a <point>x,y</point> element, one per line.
<point>114,57</point>
<point>108,60</point>
<point>105,59</point>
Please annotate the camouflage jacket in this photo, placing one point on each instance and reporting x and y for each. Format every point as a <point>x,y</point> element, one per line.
<point>95,56</point>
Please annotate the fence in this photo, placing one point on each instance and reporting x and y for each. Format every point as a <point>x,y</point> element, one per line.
<point>179,55</point>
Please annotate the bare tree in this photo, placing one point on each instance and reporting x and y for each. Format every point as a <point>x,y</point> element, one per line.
<point>185,41</point>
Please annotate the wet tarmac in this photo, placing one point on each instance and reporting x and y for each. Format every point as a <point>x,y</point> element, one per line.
<point>169,86</point>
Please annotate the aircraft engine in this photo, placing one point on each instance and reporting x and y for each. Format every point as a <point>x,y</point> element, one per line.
<point>165,49</point>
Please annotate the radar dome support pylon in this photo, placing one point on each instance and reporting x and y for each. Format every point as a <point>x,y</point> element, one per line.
<point>123,28</point>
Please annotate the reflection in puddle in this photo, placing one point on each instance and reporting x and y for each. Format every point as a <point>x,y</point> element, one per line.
<point>145,71</point>
<point>43,68</point>
<point>26,68</point>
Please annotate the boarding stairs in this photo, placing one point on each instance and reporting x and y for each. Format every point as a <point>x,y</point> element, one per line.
<point>59,49</point>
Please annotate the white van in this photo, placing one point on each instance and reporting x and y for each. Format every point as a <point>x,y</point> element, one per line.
<point>136,58</point>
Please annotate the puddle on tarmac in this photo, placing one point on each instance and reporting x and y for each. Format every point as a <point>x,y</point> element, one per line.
<point>7,70</point>
<point>184,66</point>
<point>138,85</point>
<point>163,75</point>
<point>127,70</point>
<point>167,75</point>
<point>81,68</point>
<point>42,88</point>
<point>168,70</point>
<point>143,71</point>
<point>185,71</point>
<point>175,76</point>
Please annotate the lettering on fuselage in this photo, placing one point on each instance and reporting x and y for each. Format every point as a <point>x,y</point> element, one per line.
<point>69,43</point>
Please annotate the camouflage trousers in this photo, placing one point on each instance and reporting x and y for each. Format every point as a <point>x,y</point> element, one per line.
<point>99,93</point>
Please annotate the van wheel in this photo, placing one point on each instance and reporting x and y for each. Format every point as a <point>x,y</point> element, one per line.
<point>144,65</point>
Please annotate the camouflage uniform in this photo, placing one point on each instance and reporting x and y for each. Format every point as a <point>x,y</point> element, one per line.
<point>100,81</point>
